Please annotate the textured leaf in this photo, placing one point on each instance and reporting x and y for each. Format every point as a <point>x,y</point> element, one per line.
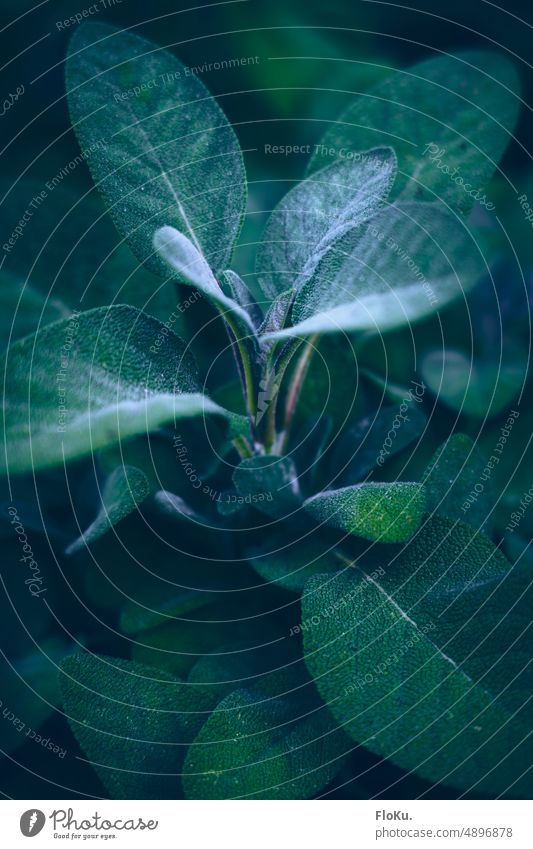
<point>177,508</point>
<point>123,491</point>
<point>474,387</point>
<point>126,719</point>
<point>375,438</point>
<point>315,212</point>
<point>465,105</point>
<point>269,483</point>
<point>113,386</point>
<point>408,261</point>
<point>451,477</point>
<point>427,662</point>
<point>164,155</point>
<point>239,292</point>
<point>70,257</point>
<point>247,749</point>
<point>385,512</point>
<point>182,256</point>
<point>290,563</point>
<point>277,313</point>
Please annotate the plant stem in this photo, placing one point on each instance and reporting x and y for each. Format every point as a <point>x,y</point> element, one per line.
<point>297,384</point>
<point>247,369</point>
<point>279,368</point>
<point>242,447</point>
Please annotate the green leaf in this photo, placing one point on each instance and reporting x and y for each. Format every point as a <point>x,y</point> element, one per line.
<point>384,512</point>
<point>125,488</point>
<point>290,563</point>
<point>160,605</point>
<point>273,669</point>
<point>408,261</point>
<point>321,394</point>
<point>55,267</point>
<point>277,313</point>
<point>176,507</point>
<point>92,381</point>
<point>376,437</point>
<point>30,694</point>
<point>176,646</point>
<point>183,257</point>
<point>474,386</point>
<point>126,719</point>
<point>159,147</point>
<point>427,663</point>
<point>269,483</point>
<point>24,307</point>
<point>246,749</point>
<point>315,212</point>
<point>387,389</point>
<point>239,292</point>
<point>520,551</point>
<point>453,474</point>
<point>465,105</point>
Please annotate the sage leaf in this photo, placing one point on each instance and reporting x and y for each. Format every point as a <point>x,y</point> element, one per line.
<point>449,119</point>
<point>125,488</point>
<point>239,292</point>
<point>277,313</point>
<point>453,474</point>
<point>382,512</point>
<point>77,386</point>
<point>246,750</point>
<point>126,719</point>
<point>269,483</point>
<point>315,212</point>
<point>405,263</point>
<point>473,386</point>
<point>160,149</point>
<point>183,257</point>
<point>427,662</point>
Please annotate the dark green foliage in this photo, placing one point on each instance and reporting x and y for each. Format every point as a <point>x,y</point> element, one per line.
<point>290,563</point>
<point>126,718</point>
<point>329,444</point>
<point>269,483</point>
<point>427,662</point>
<point>452,475</point>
